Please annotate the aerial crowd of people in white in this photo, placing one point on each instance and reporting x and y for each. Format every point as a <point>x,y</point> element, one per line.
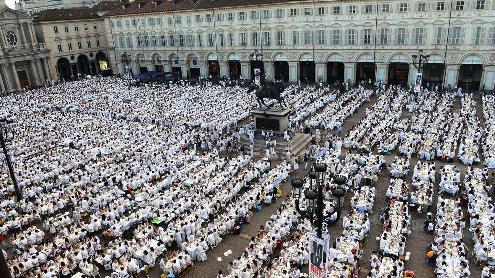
<point>120,180</point>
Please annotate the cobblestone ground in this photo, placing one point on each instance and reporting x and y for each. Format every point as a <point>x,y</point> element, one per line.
<point>416,242</point>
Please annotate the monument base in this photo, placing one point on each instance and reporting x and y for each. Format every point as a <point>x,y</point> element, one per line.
<point>274,119</point>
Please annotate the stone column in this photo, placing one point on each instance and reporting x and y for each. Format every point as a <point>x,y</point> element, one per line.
<point>16,84</point>
<point>452,74</point>
<point>321,72</point>
<point>382,72</point>
<point>245,70</point>
<point>223,68</point>
<point>184,68</point>
<point>23,37</point>
<point>269,69</point>
<point>350,72</point>
<point>34,72</point>
<point>2,85</point>
<point>293,71</point>
<point>46,69</point>
<point>413,72</point>
<point>488,80</point>
<point>203,68</point>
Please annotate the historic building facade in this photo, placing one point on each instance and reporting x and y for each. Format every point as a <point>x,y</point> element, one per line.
<point>309,40</point>
<point>23,61</point>
<point>76,39</point>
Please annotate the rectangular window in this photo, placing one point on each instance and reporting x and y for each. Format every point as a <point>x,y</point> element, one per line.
<point>491,38</point>
<point>66,29</point>
<point>211,41</point>
<point>146,41</point>
<point>243,39</point>
<point>321,11</point>
<point>421,7</point>
<point>154,41</point>
<point>242,16</point>
<point>478,35</point>
<point>439,35</point>
<point>440,6</point>
<point>97,43</point>
<point>231,39</point>
<point>163,40</point>
<point>88,43</point>
<point>351,36</point>
<point>190,40</point>
<point>279,13</point>
<point>368,9</point>
<point>158,21</point>
<point>70,46</point>
<point>336,10</point>
<point>151,21</point>
<point>76,29</point>
<point>403,7</point>
<point>254,15</point>
<point>199,18</point>
<point>55,29</point>
<point>335,36</point>
<point>230,17</point>
<point>266,38</point>
<point>352,9</point>
<point>254,39</point>
<point>385,8</point>
<point>221,40</point>
<point>220,17</point>
<point>293,12</point>
<point>321,36</point>
<point>178,19</point>
<point>456,36</point>
<point>367,36</point>
<point>267,14</point>
<point>280,38</point>
<point>480,4</point>
<point>171,39</point>
<point>295,37</point>
<point>307,37</point>
<point>189,19</point>
<point>384,36</point>
<point>129,42</point>
<point>419,35</point>
<point>208,18</point>
<point>401,35</point>
<point>79,45</point>
<point>59,48</point>
<point>459,5</point>
<point>308,11</point>
<point>200,40</point>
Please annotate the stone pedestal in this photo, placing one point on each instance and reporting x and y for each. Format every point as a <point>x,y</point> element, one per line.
<point>274,119</point>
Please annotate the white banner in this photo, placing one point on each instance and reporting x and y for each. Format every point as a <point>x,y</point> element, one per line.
<point>318,253</point>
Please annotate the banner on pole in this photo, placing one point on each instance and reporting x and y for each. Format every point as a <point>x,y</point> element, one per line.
<point>318,251</point>
<point>417,86</point>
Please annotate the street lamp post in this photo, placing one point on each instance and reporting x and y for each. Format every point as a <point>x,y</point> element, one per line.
<point>419,61</point>
<point>314,197</point>
<point>7,135</point>
<point>258,57</point>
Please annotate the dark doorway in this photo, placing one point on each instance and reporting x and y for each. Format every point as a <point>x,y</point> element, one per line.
<point>470,77</point>
<point>101,61</point>
<point>307,71</point>
<point>257,66</point>
<point>159,68</point>
<point>177,72</point>
<point>143,70</point>
<point>195,73</point>
<point>398,73</point>
<point>23,78</point>
<point>281,71</point>
<point>213,68</point>
<point>365,71</point>
<point>335,72</point>
<point>63,68</point>
<point>234,70</point>
<point>433,75</point>
<point>83,64</point>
